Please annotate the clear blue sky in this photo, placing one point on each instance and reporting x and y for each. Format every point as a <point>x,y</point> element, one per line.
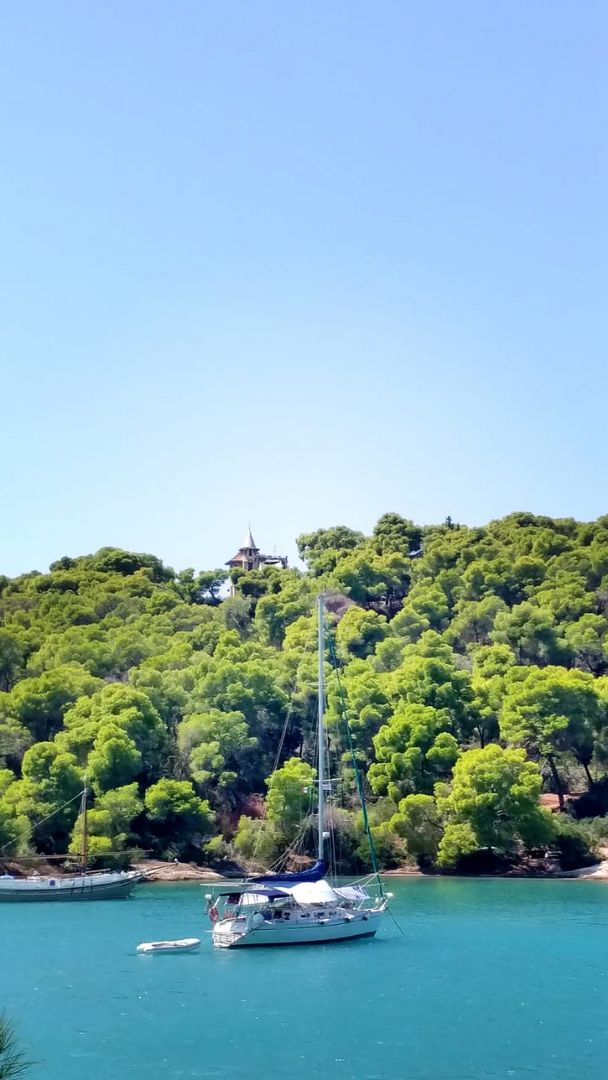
<point>298,265</point>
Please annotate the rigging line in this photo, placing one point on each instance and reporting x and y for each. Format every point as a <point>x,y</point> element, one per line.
<point>332,834</point>
<point>290,707</point>
<point>367,880</point>
<point>330,811</point>
<point>282,859</point>
<point>74,855</point>
<point>298,842</point>
<point>287,722</point>
<point>396,922</point>
<point>358,778</point>
<point>47,816</point>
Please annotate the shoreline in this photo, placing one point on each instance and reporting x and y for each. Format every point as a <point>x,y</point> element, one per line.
<point>595,872</point>
<point>156,871</point>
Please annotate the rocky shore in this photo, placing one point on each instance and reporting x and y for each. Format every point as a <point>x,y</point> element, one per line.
<point>597,872</point>
<point>156,870</point>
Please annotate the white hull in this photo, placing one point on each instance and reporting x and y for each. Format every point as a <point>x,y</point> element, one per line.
<point>181,945</point>
<point>103,886</point>
<point>235,933</point>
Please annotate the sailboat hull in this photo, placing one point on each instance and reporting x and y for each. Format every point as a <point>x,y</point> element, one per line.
<point>47,890</point>
<point>235,934</point>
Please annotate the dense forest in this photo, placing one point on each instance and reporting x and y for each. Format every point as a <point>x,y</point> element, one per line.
<point>472,664</point>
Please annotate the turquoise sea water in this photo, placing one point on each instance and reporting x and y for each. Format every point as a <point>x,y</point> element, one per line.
<point>491,979</point>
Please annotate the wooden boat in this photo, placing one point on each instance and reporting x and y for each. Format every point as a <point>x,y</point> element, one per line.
<point>85,885</point>
<point>100,885</point>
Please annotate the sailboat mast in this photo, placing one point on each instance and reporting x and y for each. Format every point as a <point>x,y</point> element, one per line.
<point>85,831</point>
<point>321,754</point>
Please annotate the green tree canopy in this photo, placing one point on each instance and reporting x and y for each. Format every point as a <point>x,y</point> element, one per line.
<point>429,676</point>
<point>414,750</point>
<point>419,823</point>
<point>113,663</point>
<point>552,712</point>
<point>370,579</point>
<point>178,817</point>
<point>40,704</point>
<point>108,826</point>
<point>114,760</point>
<point>291,793</point>
<point>219,750</point>
<point>492,802</point>
<point>12,658</point>
<point>122,709</point>
<point>46,795</point>
<point>322,549</point>
<point>358,632</point>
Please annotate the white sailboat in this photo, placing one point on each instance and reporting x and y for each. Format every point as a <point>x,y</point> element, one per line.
<point>86,885</point>
<point>299,908</point>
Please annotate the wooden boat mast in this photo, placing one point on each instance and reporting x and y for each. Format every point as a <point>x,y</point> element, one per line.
<point>85,832</point>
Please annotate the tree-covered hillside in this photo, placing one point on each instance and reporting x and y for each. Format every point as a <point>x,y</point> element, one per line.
<point>473,663</point>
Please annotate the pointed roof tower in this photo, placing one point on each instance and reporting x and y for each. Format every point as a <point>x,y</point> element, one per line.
<point>248,557</point>
<point>249,543</point>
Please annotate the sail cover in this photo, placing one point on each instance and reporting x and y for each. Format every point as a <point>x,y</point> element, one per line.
<point>314,873</point>
<point>313,892</point>
<point>247,899</point>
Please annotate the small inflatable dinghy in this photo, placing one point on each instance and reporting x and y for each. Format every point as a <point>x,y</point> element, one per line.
<point>181,945</point>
